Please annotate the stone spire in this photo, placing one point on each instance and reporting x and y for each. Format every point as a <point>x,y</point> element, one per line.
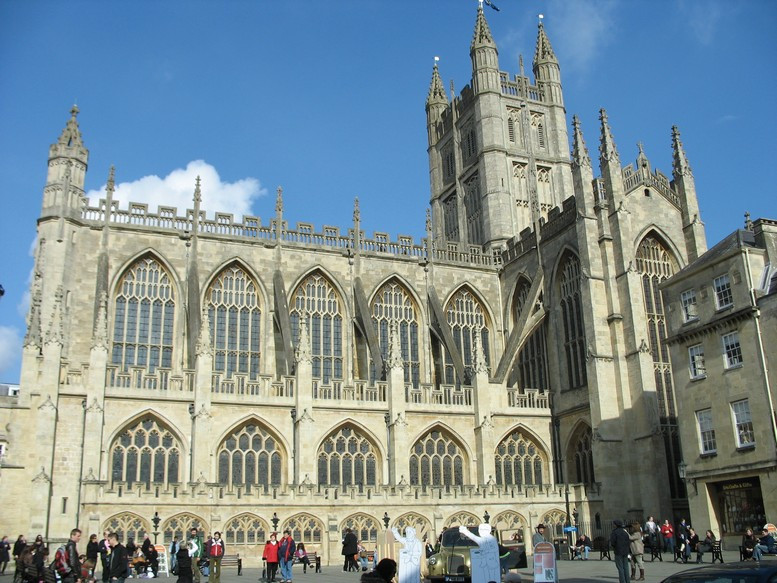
<point>607,150</point>
<point>54,334</point>
<point>110,188</point>
<point>546,69</point>
<point>680,165</point>
<point>302,352</point>
<point>33,336</point>
<point>71,135</point>
<point>395,348</point>
<point>66,153</point>
<point>436,104</point>
<point>485,58</point>
<point>543,53</point>
<point>436,94</point>
<point>580,155</point>
<point>482,36</point>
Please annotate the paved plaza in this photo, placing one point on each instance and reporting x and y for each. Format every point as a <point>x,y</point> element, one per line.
<point>569,572</point>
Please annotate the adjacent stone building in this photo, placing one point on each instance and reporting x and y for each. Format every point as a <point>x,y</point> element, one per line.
<point>226,374</point>
<point>723,330</point>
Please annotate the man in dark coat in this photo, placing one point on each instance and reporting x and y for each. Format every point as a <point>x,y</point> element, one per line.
<point>117,559</point>
<point>384,572</point>
<point>620,543</point>
<point>350,548</point>
<point>184,562</point>
<point>73,559</point>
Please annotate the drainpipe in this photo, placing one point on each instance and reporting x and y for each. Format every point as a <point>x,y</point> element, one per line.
<point>759,339</point>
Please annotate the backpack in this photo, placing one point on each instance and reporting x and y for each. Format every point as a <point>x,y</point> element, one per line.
<point>60,563</point>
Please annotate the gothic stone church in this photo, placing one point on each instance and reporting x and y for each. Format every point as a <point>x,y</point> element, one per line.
<point>223,373</point>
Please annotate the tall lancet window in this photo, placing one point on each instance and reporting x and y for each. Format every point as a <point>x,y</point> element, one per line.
<point>147,452</point>
<point>655,265</point>
<point>531,369</point>
<point>144,311</point>
<point>235,323</point>
<point>437,460</point>
<point>466,318</point>
<point>317,300</point>
<point>572,316</point>
<point>393,303</point>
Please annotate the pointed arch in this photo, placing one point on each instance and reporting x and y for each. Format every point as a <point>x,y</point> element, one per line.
<point>580,459</point>
<point>127,525</point>
<point>511,523</point>
<point>439,458</point>
<point>462,518</point>
<point>364,526</point>
<point>235,304</point>
<point>251,455</point>
<point>143,306</point>
<point>661,235</point>
<point>530,369</point>
<point>393,302</point>
<point>180,524</point>
<point>305,528</point>
<point>320,301</point>
<point>467,314</point>
<point>568,288</point>
<point>348,456</point>
<point>421,524</point>
<point>146,450</point>
<point>554,521</point>
<point>521,460</point>
<point>246,529</point>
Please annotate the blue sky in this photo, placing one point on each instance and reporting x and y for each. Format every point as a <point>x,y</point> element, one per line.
<point>327,99</point>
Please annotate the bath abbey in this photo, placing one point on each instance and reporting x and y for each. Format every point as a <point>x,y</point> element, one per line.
<point>256,375</point>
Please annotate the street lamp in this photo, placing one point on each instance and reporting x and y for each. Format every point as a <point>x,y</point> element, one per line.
<point>275,520</point>
<point>575,516</point>
<point>486,517</point>
<point>386,520</point>
<point>155,521</point>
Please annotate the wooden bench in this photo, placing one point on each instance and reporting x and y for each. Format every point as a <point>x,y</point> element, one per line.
<point>655,552</point>
<point>742,556</point>
<point>717,552</point>
<point>233,561</point>
<point>315,561</point>
<point>602,546</point>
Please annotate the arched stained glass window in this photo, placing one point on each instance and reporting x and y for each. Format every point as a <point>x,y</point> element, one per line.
<point>250,457</point>
<point>519,461</point>
<point>531,368</point>
<point>146,452</point>
<point>318,300</point>
<point>127,526</point>
<point>572,316</point>
<point>466,317</point>
<point>582,456</point>
<point>305,528</point>
<point>436,460</point>
<point>421,524</point>
<point>365,527</point>
<point>235,323</point>
<point>179,526</point>
<point>394,303</point>
<point>246,529</point>
<point>144,310</point>
<point>347,457</point>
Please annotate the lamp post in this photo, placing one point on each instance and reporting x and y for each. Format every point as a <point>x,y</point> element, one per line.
<point>155,521</point>
<point>275,520</point>
<point>486,517</point>
<point>386,520</point>
<point>568,524</point>
<point>575,516</point>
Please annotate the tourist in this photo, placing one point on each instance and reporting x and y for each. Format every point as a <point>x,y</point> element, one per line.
<point>104,548</point>
<point>5,554</point>
<point>539,536</point>
<point>116,559</point>
<point>637,548</point>
<point>270,555</point>
<point>667,532</point>
<point>620,543</point>
<point>216,551</point>
<point>302,557</point>
<point>383,573</point>
<point>286,549</point>
<point>195,552</point>
<point>705,546</point>
<point>583,547</point>
<point>749,545</point>
<point>349,551</point>
<point>183,560</point>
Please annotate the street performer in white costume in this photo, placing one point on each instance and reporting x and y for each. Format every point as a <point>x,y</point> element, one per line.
<point>487,568</point>
<point>409,556</point>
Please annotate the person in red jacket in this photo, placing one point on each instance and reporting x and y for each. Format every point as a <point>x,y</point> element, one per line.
<point>216,552</point>
<point>271,556</point>
<point>668,533</point>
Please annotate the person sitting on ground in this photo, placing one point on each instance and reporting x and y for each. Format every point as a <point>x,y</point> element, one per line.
<point>583,547</point>
<point>383,573</point>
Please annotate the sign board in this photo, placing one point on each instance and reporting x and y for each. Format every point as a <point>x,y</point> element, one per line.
<point>570,529</point>
<point>545,563</point>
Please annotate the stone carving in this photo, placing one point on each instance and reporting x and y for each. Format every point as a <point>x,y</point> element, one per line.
<point>643,347</point>
<point>409,555</point>
<point>41,477</point>
<point>100,337</point>
<point>204,342</point>
<point>203,413</point>
<point>47,404</point>
<point>302,352</point>
<point>394,359</point>
<point>479,364</point>
<point>90,477</point>
<point>94,407</point>
<point>54,335</point>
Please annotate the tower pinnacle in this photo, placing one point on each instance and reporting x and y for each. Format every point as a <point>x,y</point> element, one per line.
<point>580,155</point>
<point>607,150</point>
<point>482,36</point>
<point>680,165</point>
<point>436,89</point>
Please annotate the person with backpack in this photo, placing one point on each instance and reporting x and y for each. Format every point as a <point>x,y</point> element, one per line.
<point>117,559</point>
<point>66,561</point>
<point>216,551</point>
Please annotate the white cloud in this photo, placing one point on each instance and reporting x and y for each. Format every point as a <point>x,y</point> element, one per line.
<point>580,30</point>
<point>10,348</point>
<point>177,189</point>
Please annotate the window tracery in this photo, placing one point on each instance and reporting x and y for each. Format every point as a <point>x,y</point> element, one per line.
<point>572,316</point>
<point>146,452</point>
<point>317,299</point>
<point>347,458</point>
<point>305,528</point>
<point>462,518</point>
<point>235,323</point>
<point>519,461</point>
<point>178,526</point>
<point>583,457</point>
<point>393,303</point>
<point>421,525</point>
<point>250,457</point>
<point>436,460</point>
<point>466,317</point>
<point>365,527</point>
<point>531,367</point>
<point>246,529</point>
<point>144,309</point>
<point>127,525</point>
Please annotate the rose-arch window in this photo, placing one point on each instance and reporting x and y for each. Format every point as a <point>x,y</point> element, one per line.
<point>179,526</point>
<point>393,303</point>
<point>466,318</point>
<point>235,323</point>
<point>146,452</point>
<point>246,529</point>
<point>366,528</point>
<point>519,461</point>
<point>436,460</point>
<point>305,529</point>
<point>143,316</point>
<point>572,316</point>
<point>127,526</point>
<point>347,458</point>
<point>249,457</point>
<point>317,299</point>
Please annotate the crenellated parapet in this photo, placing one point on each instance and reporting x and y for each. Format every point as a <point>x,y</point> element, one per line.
<point>558,221</point>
